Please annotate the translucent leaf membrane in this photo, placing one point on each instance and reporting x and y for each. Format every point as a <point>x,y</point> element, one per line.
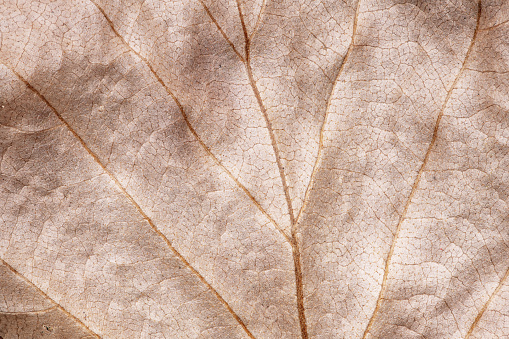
<point>254,169</point>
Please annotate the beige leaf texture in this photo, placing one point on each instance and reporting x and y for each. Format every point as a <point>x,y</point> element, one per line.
<point>254,169</point>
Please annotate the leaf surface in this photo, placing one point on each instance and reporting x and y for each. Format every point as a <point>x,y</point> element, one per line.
<point>254,169</point>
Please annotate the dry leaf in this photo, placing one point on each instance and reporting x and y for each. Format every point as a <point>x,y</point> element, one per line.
<point>254,169</point>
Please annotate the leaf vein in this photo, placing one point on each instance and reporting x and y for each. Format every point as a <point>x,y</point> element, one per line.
<point>258,20</point>
<point>221,31</point>
<point>136,205</point>
<point>188,124</point>
<point>57,305</point>
<point>485,306</point>
<point>299,289</point>
<point>415,185</point>
<point>246,62</point>
<point>319,156</point>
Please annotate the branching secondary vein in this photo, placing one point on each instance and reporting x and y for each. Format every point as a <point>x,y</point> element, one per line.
<point>318,159</point>
<point>57,305</point>
<point>136,205</point>
<point>295,246</point>
<point>415,185</point>
<point>488,302</point>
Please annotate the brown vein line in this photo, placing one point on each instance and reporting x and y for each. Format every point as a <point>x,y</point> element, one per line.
<point>453,316</point>
<point>494,26</point>
<point>266,117</point>
<point>221,31</point>
<point>485,306</point>
<point>296,253</point>
<point>319,156</point>
<point>418,177</point>
<point>17,130</point>
<point>191,128</point>
<point>262,107</point>
<point>30,312</point>
<point>258,20</point>
<point>299,288</point>
<point>57,305</point>
<point>295,247</point>
<point>131,199</point>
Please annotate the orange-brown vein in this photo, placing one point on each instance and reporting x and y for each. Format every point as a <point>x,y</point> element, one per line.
<point>57,305</point>
<point>318,159</point>
<point>136,205</point>
<point>188,123</point>
<point>418,177</point>
<point>262,108</point>
<point>258,20</point>
<point>295,246</point>
<point>488,302</point>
